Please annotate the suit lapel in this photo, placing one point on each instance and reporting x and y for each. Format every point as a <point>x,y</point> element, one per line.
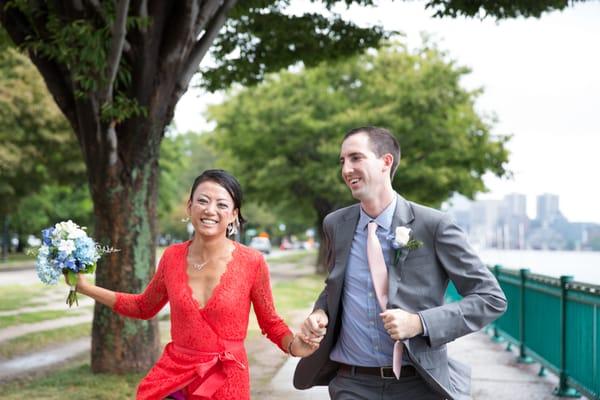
<point>403,216</point>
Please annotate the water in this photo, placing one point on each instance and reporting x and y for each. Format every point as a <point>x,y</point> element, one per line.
<point>583,265</point>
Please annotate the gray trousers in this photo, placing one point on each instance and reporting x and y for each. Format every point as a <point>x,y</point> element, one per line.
<point>365,387</point>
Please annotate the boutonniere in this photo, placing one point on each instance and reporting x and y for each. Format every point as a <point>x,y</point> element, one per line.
<point>401,240</point>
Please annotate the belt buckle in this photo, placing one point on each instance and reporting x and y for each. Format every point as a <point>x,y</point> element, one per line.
<point>382,373</point>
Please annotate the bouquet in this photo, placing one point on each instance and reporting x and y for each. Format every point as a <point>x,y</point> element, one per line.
<point>67,249</point>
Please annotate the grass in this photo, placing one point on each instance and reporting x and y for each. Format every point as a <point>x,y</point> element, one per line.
<point>38,316</point>
<point>38,340</point>
<point>76,383</point>
<point>16,258</point>
<point>294,258</point>
<point>299,294</point>
<point>13,297</point>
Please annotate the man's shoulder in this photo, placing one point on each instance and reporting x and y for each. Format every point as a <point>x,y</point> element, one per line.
<point>341,213</point>
<point>427,215</point>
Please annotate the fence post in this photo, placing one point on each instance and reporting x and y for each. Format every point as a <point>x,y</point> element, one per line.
<point>523,357</point>
<point>497,336</point>
<point>563,389</point>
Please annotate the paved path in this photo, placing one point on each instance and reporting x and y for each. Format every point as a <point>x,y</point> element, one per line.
<point>57,354</point>
<point>495,372</point>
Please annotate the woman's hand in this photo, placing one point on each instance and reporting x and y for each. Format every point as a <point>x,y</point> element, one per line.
<point>299,348</point>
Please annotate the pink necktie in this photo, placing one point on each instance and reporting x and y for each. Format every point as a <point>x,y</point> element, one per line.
<point>380,283</point>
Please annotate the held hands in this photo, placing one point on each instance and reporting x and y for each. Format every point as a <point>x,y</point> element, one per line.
<point>400,324</point>
<point>313,328</point>
<point>299,348</point>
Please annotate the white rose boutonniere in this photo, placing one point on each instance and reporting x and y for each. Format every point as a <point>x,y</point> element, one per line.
<point>401,240</point>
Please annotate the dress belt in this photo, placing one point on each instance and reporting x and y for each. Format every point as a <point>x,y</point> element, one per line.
<point>382,372</point>
<point>211,371</point>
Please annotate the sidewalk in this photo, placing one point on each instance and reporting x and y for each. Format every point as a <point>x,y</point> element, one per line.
<point>495,373</point>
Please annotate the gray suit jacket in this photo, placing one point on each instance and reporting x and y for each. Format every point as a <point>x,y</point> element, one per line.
<point>417,283</point>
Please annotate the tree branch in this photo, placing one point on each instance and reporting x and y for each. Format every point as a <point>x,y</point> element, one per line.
<point>96,7</point>
<point>116,49</point>
<point>57,80</point>
<point>206,13</point>
<point>202,46</point>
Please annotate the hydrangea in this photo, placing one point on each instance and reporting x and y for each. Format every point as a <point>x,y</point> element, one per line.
<point>67,249</point>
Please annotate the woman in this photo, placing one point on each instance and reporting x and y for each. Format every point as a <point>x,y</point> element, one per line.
<point>210,282</point>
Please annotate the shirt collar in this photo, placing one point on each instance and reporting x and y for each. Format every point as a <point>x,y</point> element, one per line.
<point>383,220</point>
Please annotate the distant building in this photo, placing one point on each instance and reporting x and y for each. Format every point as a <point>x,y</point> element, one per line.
<point>504,224</point>
<point>547,208</point>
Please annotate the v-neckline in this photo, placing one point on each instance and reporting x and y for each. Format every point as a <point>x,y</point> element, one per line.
<point>217,286</point>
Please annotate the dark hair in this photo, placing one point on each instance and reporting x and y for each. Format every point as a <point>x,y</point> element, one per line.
<point>381,141</point>
<point>228,182</point>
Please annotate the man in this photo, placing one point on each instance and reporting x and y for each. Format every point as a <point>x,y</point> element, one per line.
<point>357,338</point>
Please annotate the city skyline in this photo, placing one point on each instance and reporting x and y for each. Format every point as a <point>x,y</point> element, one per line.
<point>539,78</point>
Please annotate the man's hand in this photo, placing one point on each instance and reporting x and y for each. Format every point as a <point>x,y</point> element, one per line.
<point>314,327</point>
<point>400,324</point>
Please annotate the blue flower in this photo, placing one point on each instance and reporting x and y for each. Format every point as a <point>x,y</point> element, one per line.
<point>47,236</point>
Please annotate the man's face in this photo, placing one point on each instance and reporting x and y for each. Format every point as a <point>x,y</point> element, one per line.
<point>364,172</point>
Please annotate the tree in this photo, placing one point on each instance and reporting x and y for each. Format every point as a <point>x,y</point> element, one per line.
<point>283,136</point>
<point>116,71</point>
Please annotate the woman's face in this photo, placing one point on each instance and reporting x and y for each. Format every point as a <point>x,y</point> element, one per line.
<point>211,209</point>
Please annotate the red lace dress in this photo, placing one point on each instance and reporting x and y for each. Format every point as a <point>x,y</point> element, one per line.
<point>206,358</point>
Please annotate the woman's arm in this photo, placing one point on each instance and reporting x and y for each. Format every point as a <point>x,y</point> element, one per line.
<point>101,295</point>
<point>142,306</point>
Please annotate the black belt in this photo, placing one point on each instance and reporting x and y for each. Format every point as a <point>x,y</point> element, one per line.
<point>382,372</point>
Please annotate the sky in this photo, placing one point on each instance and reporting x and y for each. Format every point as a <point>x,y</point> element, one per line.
<point>541,79</point>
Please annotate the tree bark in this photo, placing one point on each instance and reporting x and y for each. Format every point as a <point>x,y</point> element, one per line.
<point>322,207</point>
<point>125,211</point>
<point>5,237</point>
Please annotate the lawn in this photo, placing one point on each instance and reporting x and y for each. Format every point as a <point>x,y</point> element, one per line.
<point>17,296</point>
<point>38,340</point>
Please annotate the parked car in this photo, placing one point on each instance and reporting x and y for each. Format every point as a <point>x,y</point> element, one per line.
<point>262,244</point>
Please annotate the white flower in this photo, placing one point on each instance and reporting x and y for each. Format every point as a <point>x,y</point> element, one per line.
<point>66,246</point>
<point>402,235</point>
<point>72,230</point>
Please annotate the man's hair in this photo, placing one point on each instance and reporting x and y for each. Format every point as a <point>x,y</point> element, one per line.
<point>381,141</point>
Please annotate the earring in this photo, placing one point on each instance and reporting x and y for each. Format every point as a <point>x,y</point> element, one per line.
<point>231,229</point>
<point>185,220</point>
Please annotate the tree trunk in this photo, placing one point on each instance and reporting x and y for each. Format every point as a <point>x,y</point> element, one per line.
<point>5,237</point>
<point>125,211</point>
<point>322,207</point>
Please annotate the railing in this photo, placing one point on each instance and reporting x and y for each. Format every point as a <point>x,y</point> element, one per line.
<point>555,322</point>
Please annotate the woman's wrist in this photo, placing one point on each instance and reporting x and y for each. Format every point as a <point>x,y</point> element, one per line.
<point>289,347</point>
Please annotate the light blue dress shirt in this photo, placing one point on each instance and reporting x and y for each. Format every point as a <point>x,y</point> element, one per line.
<point>363,341</point>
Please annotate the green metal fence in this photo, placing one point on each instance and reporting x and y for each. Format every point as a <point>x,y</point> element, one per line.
<point>555,322</point>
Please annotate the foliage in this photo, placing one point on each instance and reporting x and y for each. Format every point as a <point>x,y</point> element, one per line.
<point>285,134</point>
<point>37,145</point>
<point>495,8</point>
<point>183,158</point>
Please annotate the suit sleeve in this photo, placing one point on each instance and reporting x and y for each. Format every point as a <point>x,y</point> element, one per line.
<point>321,302</point>
<point>483,300</point>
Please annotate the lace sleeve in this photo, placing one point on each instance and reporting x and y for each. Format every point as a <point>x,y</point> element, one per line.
<point>147,304</point>
<point>270,323</point>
